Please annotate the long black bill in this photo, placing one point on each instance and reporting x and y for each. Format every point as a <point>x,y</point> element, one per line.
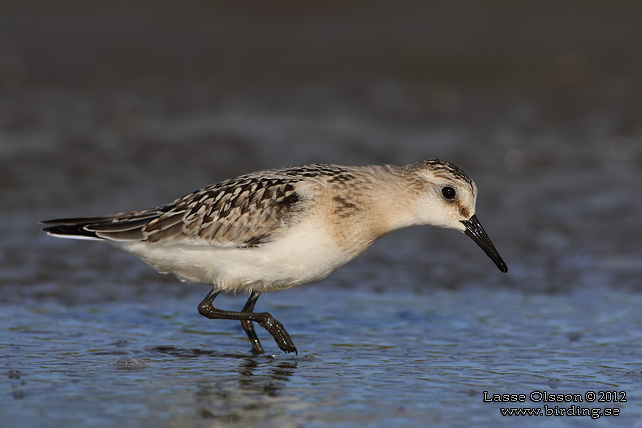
<point>475,230</point>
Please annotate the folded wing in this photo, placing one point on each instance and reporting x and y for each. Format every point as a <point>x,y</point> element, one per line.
<point>247,211</point>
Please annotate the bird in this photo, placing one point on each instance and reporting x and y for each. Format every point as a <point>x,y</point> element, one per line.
<point>285,227</point>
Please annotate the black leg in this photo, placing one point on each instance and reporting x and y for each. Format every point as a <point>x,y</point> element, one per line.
<point>248,326</point>
<point>246,316</point>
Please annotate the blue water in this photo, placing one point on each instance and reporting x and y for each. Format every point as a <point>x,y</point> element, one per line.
<point>365,359</point>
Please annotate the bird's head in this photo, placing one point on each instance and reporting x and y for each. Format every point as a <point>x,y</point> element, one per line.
<point>445,197</point>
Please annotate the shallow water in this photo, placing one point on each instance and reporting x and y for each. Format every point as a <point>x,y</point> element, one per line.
<point>365,358</point>
<point>409,334</point>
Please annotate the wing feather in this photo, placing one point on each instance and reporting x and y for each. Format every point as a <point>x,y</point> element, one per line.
<point>240,212</point>
<point>245,211</point>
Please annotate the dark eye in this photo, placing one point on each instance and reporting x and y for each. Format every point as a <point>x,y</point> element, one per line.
<point>448,192</point>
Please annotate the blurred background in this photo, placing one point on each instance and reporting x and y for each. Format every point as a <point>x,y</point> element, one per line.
<point>113,106</point>
<point>120,105</point>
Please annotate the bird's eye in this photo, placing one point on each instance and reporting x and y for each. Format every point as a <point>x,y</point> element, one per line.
<point>448,192</point>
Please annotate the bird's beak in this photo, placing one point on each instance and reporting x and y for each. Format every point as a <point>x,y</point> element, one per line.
<point>475,230</point>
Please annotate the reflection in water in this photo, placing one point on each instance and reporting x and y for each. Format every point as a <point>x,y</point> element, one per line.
<point>271,382</point>
<point>255,397</point>
<point>251,391</point>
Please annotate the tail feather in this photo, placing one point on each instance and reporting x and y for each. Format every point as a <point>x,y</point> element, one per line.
<point>71,231</point>
<point>119,227</point>
<point>73,221</point>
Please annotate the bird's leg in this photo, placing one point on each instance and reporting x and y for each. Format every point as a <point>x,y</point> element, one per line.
<point>247,324</point>
<point>246,316</point>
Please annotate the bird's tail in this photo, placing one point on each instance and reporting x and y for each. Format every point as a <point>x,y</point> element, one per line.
<point>117,227</point>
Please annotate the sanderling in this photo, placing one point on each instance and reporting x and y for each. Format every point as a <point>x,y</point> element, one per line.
<point>281,228</point>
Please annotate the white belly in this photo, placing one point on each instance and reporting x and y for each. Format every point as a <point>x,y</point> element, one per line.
<point>305,253</point>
